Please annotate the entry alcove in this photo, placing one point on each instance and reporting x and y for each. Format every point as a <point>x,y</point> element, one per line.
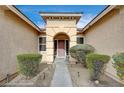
<point>61,45</point>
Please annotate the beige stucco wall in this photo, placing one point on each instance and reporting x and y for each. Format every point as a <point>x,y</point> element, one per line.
<point>16,37</point>
<point>54,27</point>
<point>107,36</point>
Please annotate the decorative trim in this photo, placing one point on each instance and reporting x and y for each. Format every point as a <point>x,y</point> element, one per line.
<point>113,77</point>
<point>70,27</point>
<point>62,15</point>
<point>52,26</point>
<point>60,27</point>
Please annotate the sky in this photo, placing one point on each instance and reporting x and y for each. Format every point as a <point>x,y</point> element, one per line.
<point>89,12</point>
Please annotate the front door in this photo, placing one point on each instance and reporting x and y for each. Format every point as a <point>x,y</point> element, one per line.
<point>61,48</point>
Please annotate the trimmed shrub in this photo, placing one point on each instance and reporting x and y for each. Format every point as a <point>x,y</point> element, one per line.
<point>29,64</point>
<point>119,64</point>
<point>80,51</point>
<point>81,57</point>
<point>95,64</point>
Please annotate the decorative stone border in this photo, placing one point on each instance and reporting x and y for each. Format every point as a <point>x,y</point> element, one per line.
<point>20,81</point>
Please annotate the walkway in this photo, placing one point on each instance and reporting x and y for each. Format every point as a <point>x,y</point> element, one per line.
<point>61,76</point>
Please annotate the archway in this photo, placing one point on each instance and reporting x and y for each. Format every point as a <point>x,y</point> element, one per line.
<point>61,45</point>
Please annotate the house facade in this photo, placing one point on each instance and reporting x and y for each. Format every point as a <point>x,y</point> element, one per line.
<point>60,34</point>
<point>18,34</point>
<point>106,34</point>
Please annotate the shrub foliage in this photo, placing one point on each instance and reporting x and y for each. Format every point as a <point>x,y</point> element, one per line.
<point>95,64</point>
<point>29,64</point>
<point>119,64</point>
<point>80,51</point>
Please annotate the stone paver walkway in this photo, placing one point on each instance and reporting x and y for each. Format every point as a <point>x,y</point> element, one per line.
<point>61,77</point>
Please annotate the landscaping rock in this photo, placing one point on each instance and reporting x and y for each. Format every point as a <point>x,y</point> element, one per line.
<point>84,80</point>
<point>20,80</point>
<point>43,79</point>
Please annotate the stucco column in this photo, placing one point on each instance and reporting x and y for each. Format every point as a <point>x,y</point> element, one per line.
<point>73,39</point>
<point>49,45</point>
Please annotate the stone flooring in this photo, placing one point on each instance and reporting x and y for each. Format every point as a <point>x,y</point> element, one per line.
<point>61,77</point>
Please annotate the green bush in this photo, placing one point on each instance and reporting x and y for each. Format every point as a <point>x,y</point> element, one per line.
<point>80,51</point>
<point>81,57</point>
<point>29,64</point>
<point>95,64</point>
<point>119,64</point>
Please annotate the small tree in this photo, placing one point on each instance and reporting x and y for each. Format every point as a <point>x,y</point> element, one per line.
<point>80,51</point>
<point>95,63</point>
<point>29,64</point>
<point>119,64</point>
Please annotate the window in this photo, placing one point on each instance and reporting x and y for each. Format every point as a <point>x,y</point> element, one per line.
<point>67,47</point>
<point>42,43</point>
<point>55,47</point>
<point>80,40</point>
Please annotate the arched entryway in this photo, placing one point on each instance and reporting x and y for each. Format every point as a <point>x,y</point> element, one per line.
<point>61,45</point>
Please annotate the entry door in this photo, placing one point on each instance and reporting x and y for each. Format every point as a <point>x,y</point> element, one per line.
<point>61,48</point>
